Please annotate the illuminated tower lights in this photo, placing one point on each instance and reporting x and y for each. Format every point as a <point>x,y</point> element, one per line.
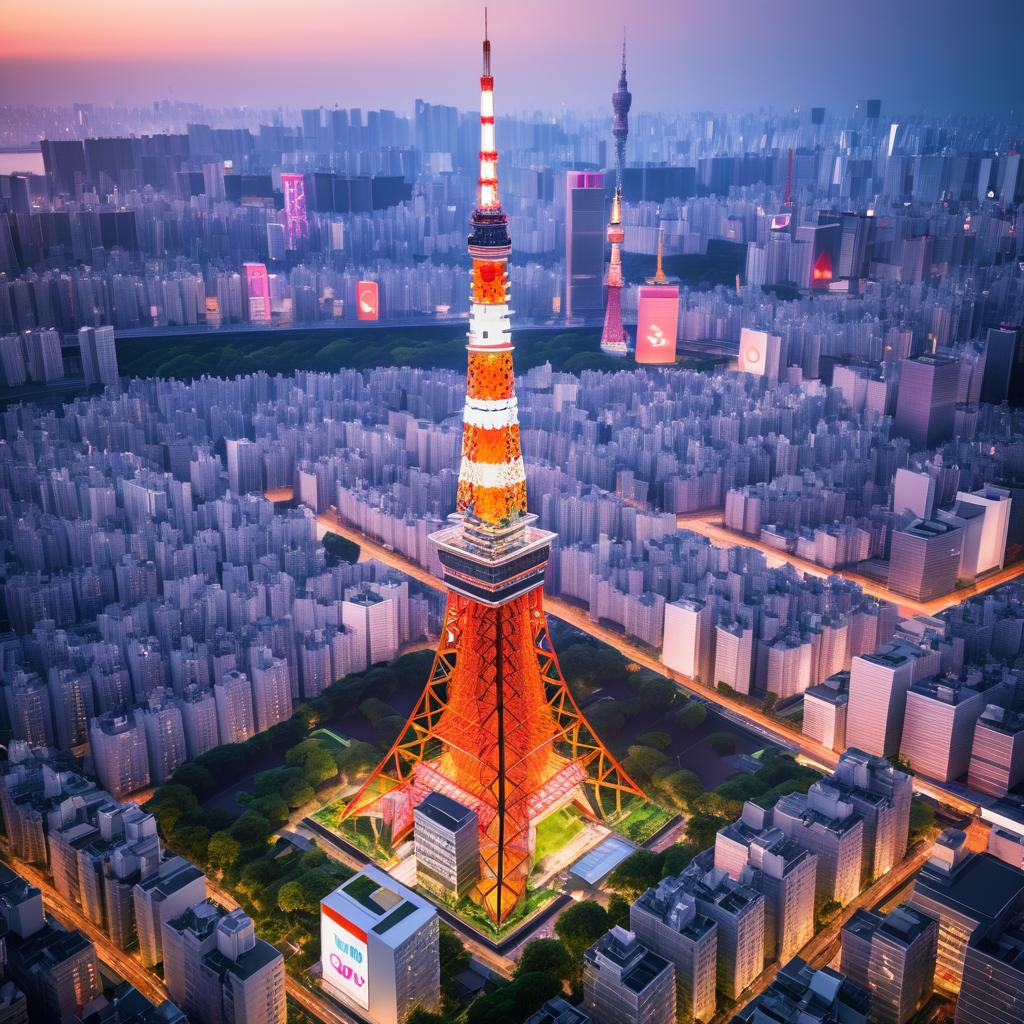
<point>613,337</point>
<point>496,728</point>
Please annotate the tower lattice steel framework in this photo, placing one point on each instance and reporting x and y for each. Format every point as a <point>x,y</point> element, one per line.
<point>496,727</point>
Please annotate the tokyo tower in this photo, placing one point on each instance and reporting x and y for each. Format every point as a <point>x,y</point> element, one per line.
<point>614,337</point>
<point>495,728</point>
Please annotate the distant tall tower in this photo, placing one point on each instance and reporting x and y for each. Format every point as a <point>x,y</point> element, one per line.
<point>614,337</point>
<point>496,728</point>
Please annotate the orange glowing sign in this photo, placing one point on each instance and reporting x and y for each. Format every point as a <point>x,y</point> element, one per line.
<point>823,268</point>
<point>367,305</point>
<point>657,324</point>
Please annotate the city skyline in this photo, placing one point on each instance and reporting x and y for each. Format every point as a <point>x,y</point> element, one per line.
<point>907,54</point>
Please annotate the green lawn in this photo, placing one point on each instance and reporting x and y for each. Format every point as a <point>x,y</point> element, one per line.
<point>554,831</point>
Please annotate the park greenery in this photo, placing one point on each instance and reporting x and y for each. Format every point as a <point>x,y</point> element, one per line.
<point>227,353</point>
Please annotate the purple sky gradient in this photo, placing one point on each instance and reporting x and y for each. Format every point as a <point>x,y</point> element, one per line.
<point>936,55</point>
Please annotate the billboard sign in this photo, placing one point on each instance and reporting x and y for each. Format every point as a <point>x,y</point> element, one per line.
<point>657,324</point>
<point>343,956</point>
<point>367,305</point>
<point>294,188</point>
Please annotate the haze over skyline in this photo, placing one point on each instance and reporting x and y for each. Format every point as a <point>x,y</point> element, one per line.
<point>707,56</point>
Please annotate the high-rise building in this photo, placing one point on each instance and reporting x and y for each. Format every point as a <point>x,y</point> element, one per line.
<point>824,821</point>
<point>219,972</point>
<point>992,989</point>
<point>688,646</point>
<point>878,699</point>
<point>447,845</point>
<point>997,751</point>
<point>964,892</point>
<point>165,736</point>
<point>117,743</point>
<point>625,983</point>
<point>739,912</point>
<point>1003,376</point>
<point>825,708</point>
<point>666,920</point>
<point>584,243</point>
<point>257,292</point>
<point>293,186</point>
<point>167,893</point>
<point>926,400</point>
<point>235,717</point>
<point>56,969</point>
<point>271,689</point>
<point>496,728</point>
<point>99,355</point>
<point>614,338</point>
<point>925,559</point>
<point>751,851</point>
<point>245,468</point>
<point>379,948</point>
<point>801,995</point>
<point>938,727</point>
<point>893,957</point>
<point>881,794</point>
<point>374,621</point>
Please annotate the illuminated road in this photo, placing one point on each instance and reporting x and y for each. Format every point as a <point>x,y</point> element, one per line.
<point>710,525</point>
<point>71,916</point>
<point>766,725</point>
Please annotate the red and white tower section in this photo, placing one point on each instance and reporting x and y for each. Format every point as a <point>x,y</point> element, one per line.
<point>614,339</point>
<point>496,727</point>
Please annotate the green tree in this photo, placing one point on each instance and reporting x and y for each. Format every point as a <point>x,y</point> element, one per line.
<point>514,1002</point>
<point>922,820</point>
<point>723,743</point>
<point>197,778</point>
<point>356,759</point>
<point>272,807</point>
<point>658,740</point>
<point>316,763</point>
<point>678,789</point>
<point>297,792</point>
<point>545,956</point>
<point>770,700</point>
<point>579,927</point>
<point>454,960</point>
<point>250,829</point>
<point>641,762</point>
<point>170,804</point>
<point>826,910</point>
<point>607,719</point>
<point>191,841</point>
<point>223,851</point>
<point>693,715</point>
<point>678,857</point>
<point>618,910</point>
<point>637,873</point>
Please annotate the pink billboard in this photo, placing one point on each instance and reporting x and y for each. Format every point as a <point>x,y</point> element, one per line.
<point>257,291</point>
<point>294,188</point>
<point>367,305</point>
<point>657,324</point>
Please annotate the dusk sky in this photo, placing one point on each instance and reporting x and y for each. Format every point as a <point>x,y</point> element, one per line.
<point>936,55</point>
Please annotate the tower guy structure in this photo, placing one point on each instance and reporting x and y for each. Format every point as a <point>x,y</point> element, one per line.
<point>614,337</point>
<point>495,728</point>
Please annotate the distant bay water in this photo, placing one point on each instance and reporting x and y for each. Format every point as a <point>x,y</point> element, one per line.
<point>21,163</point>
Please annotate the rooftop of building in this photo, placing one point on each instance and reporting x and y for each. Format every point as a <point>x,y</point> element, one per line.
<point>928,529</point>
<point>982,887</point>
<point>834,690</point>
<point>444,811</point>
<point>373,901</point>
<point>801,994</point>
<point>1005,944</point>
<point>639,966</point>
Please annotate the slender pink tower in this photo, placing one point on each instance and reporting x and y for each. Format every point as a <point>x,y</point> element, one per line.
<point>614,338</point>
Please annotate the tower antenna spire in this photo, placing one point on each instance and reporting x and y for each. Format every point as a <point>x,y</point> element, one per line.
<point>487,47</point>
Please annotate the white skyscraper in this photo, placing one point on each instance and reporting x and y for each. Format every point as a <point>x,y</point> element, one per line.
<point>117,743</point>
<point>688,646</point>
<point>271,689</point>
